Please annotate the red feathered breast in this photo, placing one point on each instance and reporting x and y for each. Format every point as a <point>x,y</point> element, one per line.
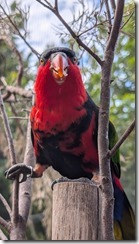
<point>57,105</point>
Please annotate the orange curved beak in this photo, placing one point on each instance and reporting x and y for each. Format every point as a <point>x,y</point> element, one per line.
<point>59,67</point>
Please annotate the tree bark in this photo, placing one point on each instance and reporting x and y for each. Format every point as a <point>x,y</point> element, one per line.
<point>75,213</point>
<point>25,187</point>
<point>18,231</point>
<point>107,208</point>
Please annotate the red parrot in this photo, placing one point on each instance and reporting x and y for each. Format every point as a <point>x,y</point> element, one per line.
<point>64,129</point>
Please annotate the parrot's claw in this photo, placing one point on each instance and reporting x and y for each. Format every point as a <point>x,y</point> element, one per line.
<point>62,179</point>
<point>19,170</point>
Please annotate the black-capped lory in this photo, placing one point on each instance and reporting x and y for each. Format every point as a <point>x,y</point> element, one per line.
<point>64,131</point>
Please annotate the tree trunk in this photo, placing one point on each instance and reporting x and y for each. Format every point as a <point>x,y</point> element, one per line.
<point>75,213</point>
<point>103,124</point>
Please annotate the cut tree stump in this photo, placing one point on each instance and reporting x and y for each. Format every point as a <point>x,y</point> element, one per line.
<point>75,214</point>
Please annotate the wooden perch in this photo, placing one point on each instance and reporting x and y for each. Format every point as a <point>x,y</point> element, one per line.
<point>75,213</point>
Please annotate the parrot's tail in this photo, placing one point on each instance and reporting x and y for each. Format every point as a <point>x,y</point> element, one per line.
<point>124,217</point>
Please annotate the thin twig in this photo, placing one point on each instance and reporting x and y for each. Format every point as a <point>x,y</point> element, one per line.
<point>13,161</point>
<point>76,37</point>
<point>122,139</point>
<point>18,117</point>
<point>8,132</point>
<point>127,20</point>
<point>109,17</point>
<point>116,25</point>
<point>19,33</point>
<point>5,224</point>
<point>3,236</point>
<point>48,5</point>
<point>94,26</point>
<point>128,34</point>
<point>17,120</point>
<point>6,205</point>
<point>113,5</point>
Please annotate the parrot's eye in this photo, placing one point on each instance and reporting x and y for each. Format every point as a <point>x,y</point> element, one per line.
<point>42,61</point>
<point>75,61</point>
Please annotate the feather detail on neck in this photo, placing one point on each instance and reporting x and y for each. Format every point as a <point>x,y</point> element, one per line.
<point>58,105</point>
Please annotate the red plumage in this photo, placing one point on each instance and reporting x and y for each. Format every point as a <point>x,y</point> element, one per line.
<point>57,107</point>
<point>55,104</point>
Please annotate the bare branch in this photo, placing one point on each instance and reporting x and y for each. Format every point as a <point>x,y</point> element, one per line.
<point>95,25</point>
<point>2,79</point>
<point>128,34</point>
<point>116,26</point>
<point>109,17</point>
<point>127,20</point>
<point>20,62</point>
<point>16,90</point>
<point>5,224</point>
<point>76,37</point>
<point>13,161</point>
<point>25,187</point>
<point>8,132</point>
<point>6,205</point>
<point>19,33</point>
<point>19,91</point>
<point>56,5</point>
<point>17,120</point>
<point>122,139</point>
<point>103,124</point>
<point>6,96</point>
<point>113,5</point>
<point>3,236</point>
<point>48,5</point>
<point>18,231</point>
<point>17,117</point>
<point>15,204</point>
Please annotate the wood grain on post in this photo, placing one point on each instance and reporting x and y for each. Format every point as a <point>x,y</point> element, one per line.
<point>75,211</point>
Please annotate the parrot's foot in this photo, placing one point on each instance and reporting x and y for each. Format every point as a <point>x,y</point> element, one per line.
<point>97,179</point>
<point>23,171</point>
<point>38,170</point>
<point>20,171</point>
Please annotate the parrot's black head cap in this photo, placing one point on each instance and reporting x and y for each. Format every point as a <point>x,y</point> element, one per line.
<point>70,53</point>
